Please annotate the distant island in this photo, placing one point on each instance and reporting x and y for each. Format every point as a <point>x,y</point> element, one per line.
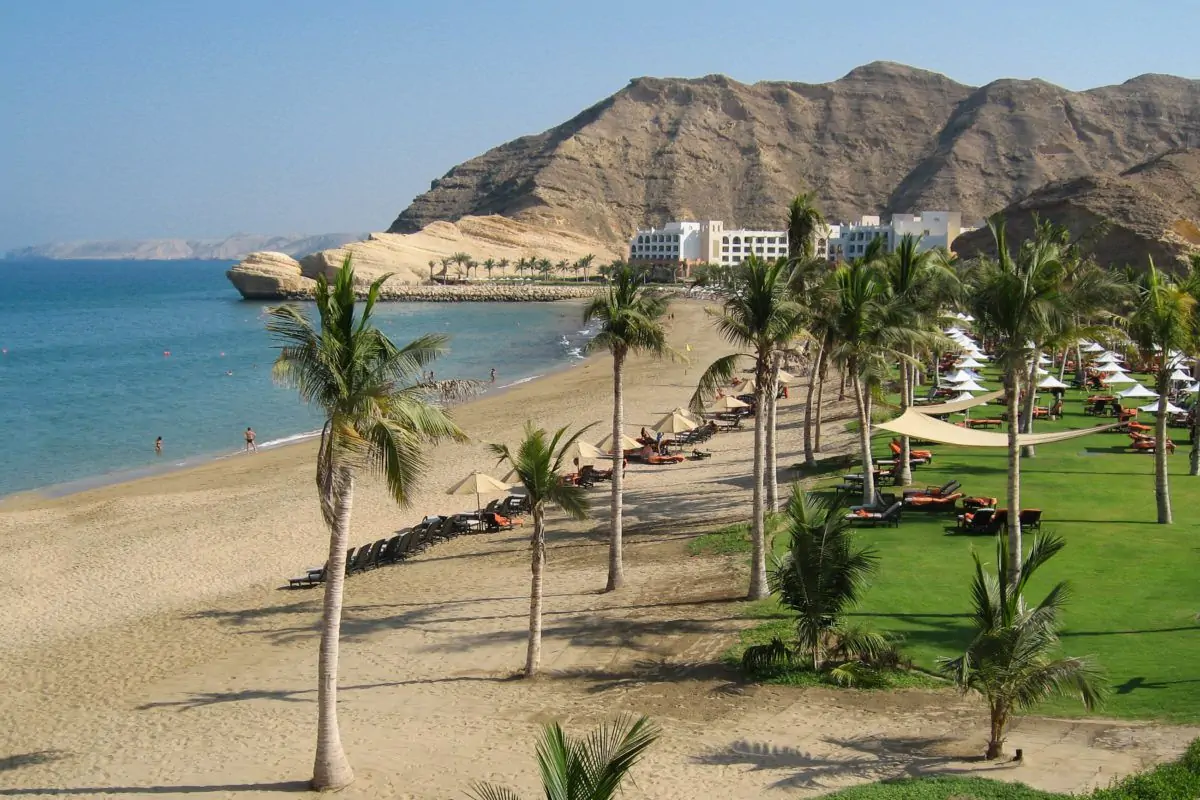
<point>231,248</point>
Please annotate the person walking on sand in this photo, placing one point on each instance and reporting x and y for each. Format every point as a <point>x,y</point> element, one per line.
<point>158,446</point>
<point>251,447</point>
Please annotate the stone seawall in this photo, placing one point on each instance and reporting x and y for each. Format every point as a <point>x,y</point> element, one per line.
<point>465,293</point>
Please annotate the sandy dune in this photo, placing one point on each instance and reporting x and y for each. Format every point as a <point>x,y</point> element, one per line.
<point>149,650</point>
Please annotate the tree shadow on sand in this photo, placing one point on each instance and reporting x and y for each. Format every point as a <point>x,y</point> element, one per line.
<point>20,760</point>
<point>290,787</point>
<point>870,759</point>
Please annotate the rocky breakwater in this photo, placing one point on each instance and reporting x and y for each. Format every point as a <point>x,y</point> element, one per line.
<point>487,292</point>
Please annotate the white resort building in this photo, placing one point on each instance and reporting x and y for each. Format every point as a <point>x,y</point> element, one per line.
<point>679,245</point>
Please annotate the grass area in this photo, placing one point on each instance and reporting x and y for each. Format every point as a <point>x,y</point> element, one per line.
<point>731,539</point>
<point>1136,584</point>
<point>1177,780</point>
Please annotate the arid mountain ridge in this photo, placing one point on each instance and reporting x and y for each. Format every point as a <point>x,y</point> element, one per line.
<point>884,138</point>
<point>238,245</point>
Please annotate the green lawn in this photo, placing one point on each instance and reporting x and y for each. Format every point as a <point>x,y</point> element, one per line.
<point>1136,584</point>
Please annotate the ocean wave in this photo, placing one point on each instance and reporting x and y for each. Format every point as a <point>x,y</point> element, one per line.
<point>296,437</point>
<point>518,383</point>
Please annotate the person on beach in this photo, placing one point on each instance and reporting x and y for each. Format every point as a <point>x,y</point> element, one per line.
<point>158,446</point>
<point>251,447</point>
<point>493,374</point>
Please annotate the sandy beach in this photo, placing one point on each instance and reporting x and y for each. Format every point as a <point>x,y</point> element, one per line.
<point>149,648</point>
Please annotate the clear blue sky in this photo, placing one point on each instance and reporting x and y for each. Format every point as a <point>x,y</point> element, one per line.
<point>197,119</point>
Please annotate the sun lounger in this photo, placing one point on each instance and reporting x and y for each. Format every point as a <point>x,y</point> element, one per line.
<point>360,560</point>
<point>889,516</point>
<point>1030,519</point>
<point>927,455</point>
<point>984,520</point>
<point>949,487</point>
<point>924,502</point>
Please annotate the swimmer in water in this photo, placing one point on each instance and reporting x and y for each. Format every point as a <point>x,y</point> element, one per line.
<point>228,372</point>
<point>158,446</point>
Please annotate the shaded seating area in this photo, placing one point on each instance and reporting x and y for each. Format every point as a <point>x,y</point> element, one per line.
<point>924,456</point>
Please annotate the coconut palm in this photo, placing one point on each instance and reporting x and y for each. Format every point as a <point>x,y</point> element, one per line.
<point>584,769</point>
<point>868,331</point>
<point>489,264</point>
<point>758,315</point>
<point>1015,301</point>
<point>1013,658</point>
<point>502,265</point>
<point>538,464</point>
<point>821,577</point>
<point>585,264</point>
<point>432,266</point>
<point>630,317</point>
<point>376,421</point>
<point>545,267</point>
<point>804,223</point>
<point>1164,320</point>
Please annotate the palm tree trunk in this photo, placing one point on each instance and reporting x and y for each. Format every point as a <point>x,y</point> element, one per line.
<point>331,768</point>
<point>905,465</point>
<point>1014,480</point>
<point>999,720</point>
<point>1028,403</point>
<point>616,567</point>
<point>1080,373</point>
<point>534,654</point>
<point>810,459</point>
<point>758,560</point>
<point>1194,457</point>
<point>772,467</point>
<point>864,435</point>
<point>1162,491</point>
<point>817,411</point>
<point>1062,368</point>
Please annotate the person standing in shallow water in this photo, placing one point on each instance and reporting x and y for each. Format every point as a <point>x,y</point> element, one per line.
<point>493,374</point>
<point>251,447</point>
<point>158,446</point>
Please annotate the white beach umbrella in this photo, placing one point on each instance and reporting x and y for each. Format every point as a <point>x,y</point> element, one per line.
<point>960,376</point>
<point>478,483</point>
<point>583,451</point>
<point>1179,376</point>
<point>963,396</point>
<point>1093,347</point>
<point>969,386</point>
<point>968,363</point>
<point>1111,368</point>
<point>729,403</point>
<point>1040,371</point>
<point>1137,390</point>
<point>964,317</point>
<point>786,377</point>
<point>674,423</point>
<point>627,443</point>
<point>684,413</point>
<point>1117,377</point>
<point>1051,382</point>
<point>746,387</point>
<point>1108,355</point>
<point>952,330</point>
<point>1163,406</point>
<point>1195,387</point>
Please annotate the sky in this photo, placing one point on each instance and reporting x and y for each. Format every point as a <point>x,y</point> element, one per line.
<point>149,119</point>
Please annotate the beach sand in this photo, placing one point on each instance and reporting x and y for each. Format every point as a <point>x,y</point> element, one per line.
<point>148,648</point>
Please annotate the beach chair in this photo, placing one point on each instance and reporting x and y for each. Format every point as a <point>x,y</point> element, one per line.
<point>387,555</point>
<point>949,487</point>
<point>925,455</point>
<point>924,502</point>
<point>360,560</point>
<point>1030,519</point>
<point>889,516</point>
<point>408,542</point>
<point>376,550</point>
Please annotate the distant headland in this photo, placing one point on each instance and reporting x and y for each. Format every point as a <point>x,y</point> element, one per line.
<point>230,248</point>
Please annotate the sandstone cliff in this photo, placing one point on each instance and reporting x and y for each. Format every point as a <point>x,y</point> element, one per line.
<point>1152,209</point>
<point>884,138</point>
<point>406,256</point>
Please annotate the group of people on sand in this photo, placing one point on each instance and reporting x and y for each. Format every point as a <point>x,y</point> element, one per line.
<point>251,445</point>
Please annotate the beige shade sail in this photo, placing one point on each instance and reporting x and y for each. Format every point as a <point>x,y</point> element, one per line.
<point>683,412</point>
<point>626,443</point>
<point>729,403</point>
<point>674,423</point>
<point>745,387</point>
<point>786,377</point>
<point>955,406</point>
<point>920,426</point>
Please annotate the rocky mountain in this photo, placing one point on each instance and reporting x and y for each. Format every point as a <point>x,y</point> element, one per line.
<point>883,138</point>
<point>239,245</point>
<point>1151,209</point>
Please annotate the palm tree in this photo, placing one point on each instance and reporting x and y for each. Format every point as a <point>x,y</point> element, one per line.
<point>561,266</point>
<point>538,462</point>
<point>804,222</point>
<point>432,266</point>
<point>502,265</point>
<point>822,576</point>
<point>585,264</point>
<point>868,331</point>
<point>1015,301</point>
<point>1013,658</point>
<point>919,283</point>
<point>1165,321</point>
<point>489,264</point>
<point>377,421</point>
<point>545,267</point>
<point>757,315</point>
<point>584,769</point>
<point>630,318</point>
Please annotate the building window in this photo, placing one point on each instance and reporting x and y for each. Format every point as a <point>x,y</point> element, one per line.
<point>724,240</point>
<point>725,248</point>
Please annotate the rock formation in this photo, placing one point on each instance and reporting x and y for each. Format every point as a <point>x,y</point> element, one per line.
<point>406,257</point>
<point>884,138</point>
<point>1152,209</point>
<point>239,245</point>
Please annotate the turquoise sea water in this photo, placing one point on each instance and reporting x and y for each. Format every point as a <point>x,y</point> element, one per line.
<point>86,385</point>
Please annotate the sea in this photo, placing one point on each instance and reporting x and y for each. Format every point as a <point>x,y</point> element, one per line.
<point>99,358</point>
